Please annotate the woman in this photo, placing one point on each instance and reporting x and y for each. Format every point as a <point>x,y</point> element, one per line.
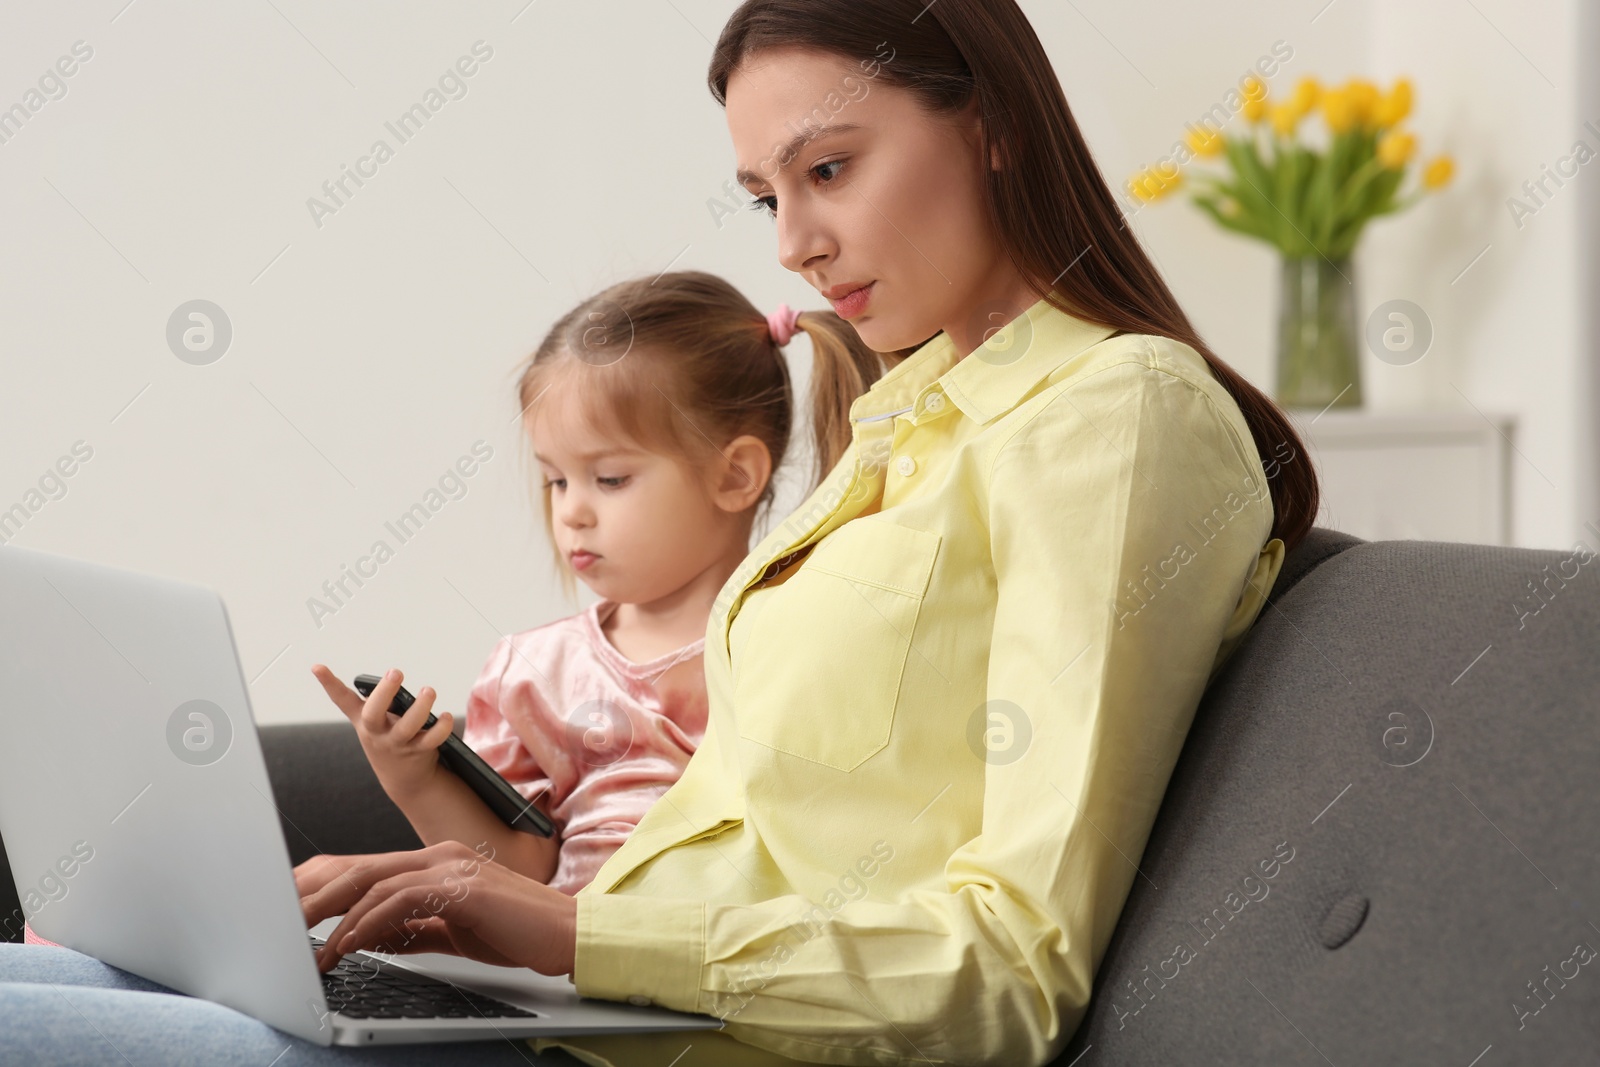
<point>947,693</point>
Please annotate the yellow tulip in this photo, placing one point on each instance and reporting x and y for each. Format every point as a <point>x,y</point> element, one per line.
<point>1284,118</point>
<point>1394,106</point>
<point>1204,141</point>
<point>1437,174</point>
<point>1395,148</point>
<point>1153,183</point>
<point>1363,98</point>
<point>1255,98</point>
<point>1338,111</point>
<point>1305,95</point>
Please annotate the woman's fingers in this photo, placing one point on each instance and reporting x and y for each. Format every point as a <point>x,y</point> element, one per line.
<point>428,935</point>
<point>354,878</point>
<point>410,892</point>
<point>450,898</point>
<point>315,873</point>
<point>378,922</point>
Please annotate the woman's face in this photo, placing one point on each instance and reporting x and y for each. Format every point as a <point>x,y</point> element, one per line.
<point>879,203</point>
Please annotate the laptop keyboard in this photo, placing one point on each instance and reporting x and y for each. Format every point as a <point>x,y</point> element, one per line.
<point>362,987</point>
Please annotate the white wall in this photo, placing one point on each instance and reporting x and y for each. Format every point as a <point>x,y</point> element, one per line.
<point>371,351</point>
<point>1501,90</point>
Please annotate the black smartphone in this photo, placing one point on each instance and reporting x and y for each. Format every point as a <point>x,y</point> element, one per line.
<point>514,810</point>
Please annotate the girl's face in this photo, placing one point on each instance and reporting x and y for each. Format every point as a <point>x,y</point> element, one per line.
<point>878,202</point>
<point>635,526</point>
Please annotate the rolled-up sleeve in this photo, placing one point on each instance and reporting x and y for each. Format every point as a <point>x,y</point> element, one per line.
<point>1125,516</point>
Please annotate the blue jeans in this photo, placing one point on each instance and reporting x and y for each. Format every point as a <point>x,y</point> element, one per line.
<point>61,1007</point>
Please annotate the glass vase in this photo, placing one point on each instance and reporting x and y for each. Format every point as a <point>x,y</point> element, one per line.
<point>1319,363</point>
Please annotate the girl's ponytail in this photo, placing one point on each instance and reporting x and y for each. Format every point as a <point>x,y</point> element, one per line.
<point>842,368</point>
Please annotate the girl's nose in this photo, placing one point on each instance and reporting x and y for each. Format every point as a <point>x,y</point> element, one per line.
<point>574,511</point>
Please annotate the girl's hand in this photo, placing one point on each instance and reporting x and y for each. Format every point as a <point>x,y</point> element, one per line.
<point>443,898</point>
<point>404,755</point>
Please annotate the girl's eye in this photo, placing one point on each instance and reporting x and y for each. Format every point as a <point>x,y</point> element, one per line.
<point>613,483</point>
<point>819,173</point>
<point>555,483</point>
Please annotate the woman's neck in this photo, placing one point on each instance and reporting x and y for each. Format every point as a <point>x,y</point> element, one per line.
<point>1000,301</point>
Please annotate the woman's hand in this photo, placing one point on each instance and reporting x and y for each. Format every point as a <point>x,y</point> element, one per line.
<point>404,756</point>
<point>443,898</point>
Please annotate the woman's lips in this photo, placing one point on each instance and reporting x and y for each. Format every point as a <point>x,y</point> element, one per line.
<point>853,303</point>
<point>580,560</point>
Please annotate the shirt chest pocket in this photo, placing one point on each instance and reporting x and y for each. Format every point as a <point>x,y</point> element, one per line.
<point>818,676</point>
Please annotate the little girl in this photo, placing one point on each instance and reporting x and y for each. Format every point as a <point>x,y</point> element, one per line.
<point>657,412</point>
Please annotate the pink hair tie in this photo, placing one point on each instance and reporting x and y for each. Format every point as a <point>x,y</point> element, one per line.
<point>781,324</point>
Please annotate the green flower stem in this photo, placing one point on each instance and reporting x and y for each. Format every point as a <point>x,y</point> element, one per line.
<point>1356,185</point>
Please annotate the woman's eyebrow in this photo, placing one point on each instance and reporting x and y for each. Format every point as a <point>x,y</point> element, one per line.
<point>799,141</point>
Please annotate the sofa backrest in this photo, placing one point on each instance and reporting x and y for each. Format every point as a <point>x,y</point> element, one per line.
<point>1381,843</point>
<point>313,762</point>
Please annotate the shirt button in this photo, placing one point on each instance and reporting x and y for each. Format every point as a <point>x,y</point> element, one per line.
<point>906,466</point>
<point>639,1002</point>
<point>935,402</point>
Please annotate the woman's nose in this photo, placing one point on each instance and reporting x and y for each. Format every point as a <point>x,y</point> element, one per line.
<point>803,241</point>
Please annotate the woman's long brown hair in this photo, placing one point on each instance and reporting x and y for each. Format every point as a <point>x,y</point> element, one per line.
<point>1049,203</point>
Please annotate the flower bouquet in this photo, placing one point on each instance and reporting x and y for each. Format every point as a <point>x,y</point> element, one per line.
<point>1311,198</point>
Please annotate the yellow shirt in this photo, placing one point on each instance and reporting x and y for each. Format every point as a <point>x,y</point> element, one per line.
<point>938,739</point>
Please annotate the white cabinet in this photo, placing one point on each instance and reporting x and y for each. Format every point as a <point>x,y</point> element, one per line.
<point>1425,475</point>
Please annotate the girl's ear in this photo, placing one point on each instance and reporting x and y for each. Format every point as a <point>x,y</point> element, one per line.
<point>742,476</point>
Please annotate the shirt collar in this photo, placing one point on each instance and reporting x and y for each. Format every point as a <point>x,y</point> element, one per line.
<point>993,378</point>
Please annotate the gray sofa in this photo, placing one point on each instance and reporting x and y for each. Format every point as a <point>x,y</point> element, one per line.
<point>1381,844</point>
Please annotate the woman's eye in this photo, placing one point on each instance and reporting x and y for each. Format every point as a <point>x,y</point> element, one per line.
<point>822,173</point>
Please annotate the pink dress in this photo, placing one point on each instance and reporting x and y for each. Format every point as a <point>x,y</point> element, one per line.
<point>566,718</point>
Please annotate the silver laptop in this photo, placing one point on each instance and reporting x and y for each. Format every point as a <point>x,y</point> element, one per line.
<point>141,829</point>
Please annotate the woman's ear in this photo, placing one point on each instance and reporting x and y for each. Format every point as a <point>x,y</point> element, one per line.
<point>972,123</point>
<point>741,478</point>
